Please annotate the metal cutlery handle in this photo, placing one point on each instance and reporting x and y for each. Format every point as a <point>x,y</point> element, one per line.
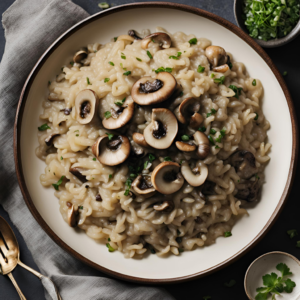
<point>47,282</point>
<point>11,277</point>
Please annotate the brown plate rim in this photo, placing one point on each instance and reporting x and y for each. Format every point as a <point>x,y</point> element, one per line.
<point>219,20</point>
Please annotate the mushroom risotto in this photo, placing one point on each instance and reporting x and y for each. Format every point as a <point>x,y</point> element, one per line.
<point>154,142</point>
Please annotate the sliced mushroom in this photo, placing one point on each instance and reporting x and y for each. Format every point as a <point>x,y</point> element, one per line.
<point>142,185</point>
<point>79,56</point>
<point>188,111</point>
<point>134,34</point>
<point>185,146</point>
<point>121,116</point>
<point>247,190</point>
<point>163,39</point>
<point>77,173</point>
<point>98,198</point>
<point>148,90</point>
<point>221,69</point>
<point>244,163</point>
<point>49,139</point>
<point>197,176</point>
<point>203,144</point>
<point>73,214</point>
<point>166,178</point>
<point>161,132</point>
<point>216,56</point>
<point>139,139</point>
<point>111,152</point>
<point>166,206</point>
<point>86,106</point>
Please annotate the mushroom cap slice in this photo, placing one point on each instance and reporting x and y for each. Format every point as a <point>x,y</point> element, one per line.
<point>203,144</point>
<point>148,90</point>
<point>111,152</point>
<point>161,132</point>
<point>142,185</point>
<point>126,113</point>
<point>162,38</point>
<point>216,56</point>
<point>187,111</point>
<point>49,139</point>
<point>79,56</point>
<point>166,206</point>
<point>185,147</point>
<point>139,139</point>
<point>86,106</point>
<point>197,176</point>
<point>221,69</point>
<point>166,178</point>
<point>134,34</point>
<point>73,214</point>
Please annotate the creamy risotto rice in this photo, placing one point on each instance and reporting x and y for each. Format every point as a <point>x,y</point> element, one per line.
<point>154,143</point>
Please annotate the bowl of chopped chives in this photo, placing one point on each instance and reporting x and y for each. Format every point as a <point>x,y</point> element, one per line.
<point>271,23</point>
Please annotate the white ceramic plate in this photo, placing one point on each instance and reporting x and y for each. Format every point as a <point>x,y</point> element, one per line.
<point>277,106</point>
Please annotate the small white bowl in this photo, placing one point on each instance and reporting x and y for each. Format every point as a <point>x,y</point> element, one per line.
<point>266,264</point>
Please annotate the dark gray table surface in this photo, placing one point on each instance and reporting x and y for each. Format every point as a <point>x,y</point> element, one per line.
<point>286,59</point>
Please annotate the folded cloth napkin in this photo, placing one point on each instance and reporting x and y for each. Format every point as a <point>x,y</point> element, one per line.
<point>30,27</point>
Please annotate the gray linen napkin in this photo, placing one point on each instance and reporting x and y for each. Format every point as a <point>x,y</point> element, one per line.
<point>30,27</point>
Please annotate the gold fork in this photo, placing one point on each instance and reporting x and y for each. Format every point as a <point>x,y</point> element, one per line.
<point>10,258</point>
<point>8,261</point>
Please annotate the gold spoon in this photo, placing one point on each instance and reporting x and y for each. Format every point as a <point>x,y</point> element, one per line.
<point>10,258</point>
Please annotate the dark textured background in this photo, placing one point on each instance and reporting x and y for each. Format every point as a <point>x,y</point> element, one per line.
<point>286,58</point>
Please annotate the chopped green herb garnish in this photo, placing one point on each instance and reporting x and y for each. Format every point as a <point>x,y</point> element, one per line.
<point>120,103</point>
<point>149,54</point>
<point>61,158</point>
<point>185,137</point>
<point>110,248</point>
<point>58,183</point>
<point>219,80</point>
<point>44,127</point>
<point>138,59</point>
<point>151,157</point>
<point>256,117</point>
<point>106,79</point>
<point>123,56</point>
<point>202,129</point>
<point>284,73</point>
<point>88,81</point>
<point>109,239</point>
<point>193,41</point>
<point>146,164</point>
<point>229,284</point>
<point>212,131</point>
<point>266,20</point>
<point>103,5</point>
<point>110,176</point>
<point>298,244</point>
<point>167,158</point>
<point>254,82</point>
<point>77,134</point>
<point>162,69</point>
<point>152,250</point>
<point>237,90</point>
<point>212,112</point>
<point>111,63</point>
<point>222,134</point>
<point>80,207</point>
<point>49,82</point>
<point>211,140</point>
<point>212,75</point>
<point>217,147</point>
<point>76,131</point>
<point>115,38</point>
<point>230,65</point>
<point>127,73</point>
<point>94,159</point>
<point>200,69</point>
<point>109,135</point>
<point>292,233</point>
<point>275,285</point>
<point>175,57</point>
<point>180,250</point>
<point>107,114</point>
<point>72,63</point>
<point>257,177</point>
<point>181,94</point>
<point>227,234</point>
